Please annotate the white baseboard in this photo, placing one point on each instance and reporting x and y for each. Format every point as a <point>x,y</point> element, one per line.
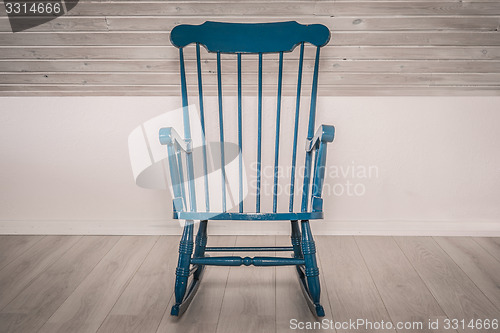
<point>325,227</point>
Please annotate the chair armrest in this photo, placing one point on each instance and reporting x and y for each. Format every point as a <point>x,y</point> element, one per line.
<point>169,136</point>
<point>174,143</point>
<point>324,133</point>
<point>318,143</point>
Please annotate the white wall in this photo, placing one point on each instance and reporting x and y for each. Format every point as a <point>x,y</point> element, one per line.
<point>435,167</point>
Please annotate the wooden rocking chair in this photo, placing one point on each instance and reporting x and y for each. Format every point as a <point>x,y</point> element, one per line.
<point>241,39</point>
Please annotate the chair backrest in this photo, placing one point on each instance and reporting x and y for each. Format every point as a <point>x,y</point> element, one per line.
<point>259,39</point>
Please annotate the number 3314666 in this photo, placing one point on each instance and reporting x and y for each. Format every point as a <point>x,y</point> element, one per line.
<point>30,8</point>
<point>472,324</point>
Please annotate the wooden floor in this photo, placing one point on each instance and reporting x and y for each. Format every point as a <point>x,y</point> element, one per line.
<point>125,284</point>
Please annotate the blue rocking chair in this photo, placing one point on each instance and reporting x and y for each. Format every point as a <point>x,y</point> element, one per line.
<point>241,39</point>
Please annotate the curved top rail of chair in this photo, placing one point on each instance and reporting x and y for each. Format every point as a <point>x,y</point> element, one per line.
<point>250,37</point>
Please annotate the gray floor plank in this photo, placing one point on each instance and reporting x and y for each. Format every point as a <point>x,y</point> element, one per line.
<point>249,299</point>
<point>12,246</point>
<point>87,307</point>
<point>35,304</point>
<point>405,295</point>
<point>290,302</point>
<point>350,287</point>
<point>203,312</point>
<point>144,301</point>
<point>490,244</point>
<point>19,273</point>
<point>481,267</point>
<point>457,295</point>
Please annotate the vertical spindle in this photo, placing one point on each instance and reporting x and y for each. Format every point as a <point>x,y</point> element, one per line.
<point>187,134</point>
<point>296,127</point>
<point>259,135</point>
<point>202,119</point>
<point>240,139</point>
<point>277,137</point>
<point>221,133</point>
<point>310,134</point>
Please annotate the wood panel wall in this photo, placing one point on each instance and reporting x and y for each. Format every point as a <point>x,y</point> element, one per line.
<point>120,47</point>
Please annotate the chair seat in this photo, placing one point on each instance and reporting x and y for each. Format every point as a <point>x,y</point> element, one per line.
<point>248,216</point>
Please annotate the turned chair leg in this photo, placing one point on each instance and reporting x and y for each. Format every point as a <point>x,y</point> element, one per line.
<point>182,271</point>
<point>200,245</point>
<point>296,239</point>
<point>311,267</point>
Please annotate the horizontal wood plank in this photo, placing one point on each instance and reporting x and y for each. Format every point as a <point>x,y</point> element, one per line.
<point>396,8</point>
<point>352,38</point>
<point>62,24</point>
<point>284,8</point>
<point>336,24</point>
<point>351,90</point>
<point>482,79</point>
<point>327,66</point>
<point>339,52</point>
